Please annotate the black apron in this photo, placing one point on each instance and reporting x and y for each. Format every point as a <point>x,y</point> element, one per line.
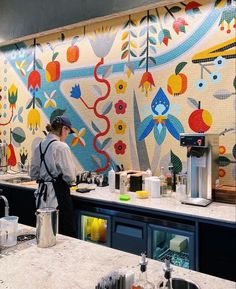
<point>62,191</point>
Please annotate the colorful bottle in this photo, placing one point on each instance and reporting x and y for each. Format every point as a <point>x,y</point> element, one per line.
<point>142,282</point>
<point>102,231</point>
<point>95,230</point>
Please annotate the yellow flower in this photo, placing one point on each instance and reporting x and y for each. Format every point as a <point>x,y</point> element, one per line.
<point>33,121</point>
<point>120,127</point>
<point>120,86</point>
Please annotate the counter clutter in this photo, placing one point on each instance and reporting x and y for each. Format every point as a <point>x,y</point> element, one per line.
<point>73,263</point>
<point>215,211</point>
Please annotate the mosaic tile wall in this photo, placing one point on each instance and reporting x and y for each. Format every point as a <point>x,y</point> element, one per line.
<point>130,86</point>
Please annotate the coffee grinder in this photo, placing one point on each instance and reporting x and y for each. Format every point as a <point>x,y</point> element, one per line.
<point>202,167</point>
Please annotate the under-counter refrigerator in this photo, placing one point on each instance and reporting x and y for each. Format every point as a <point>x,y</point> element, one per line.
<point>95,228</point>
<point>176,244</point>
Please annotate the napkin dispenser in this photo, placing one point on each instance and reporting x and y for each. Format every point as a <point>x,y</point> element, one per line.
<point>135,180</point>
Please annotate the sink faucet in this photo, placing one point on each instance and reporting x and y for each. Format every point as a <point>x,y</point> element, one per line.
<point>6,204</point>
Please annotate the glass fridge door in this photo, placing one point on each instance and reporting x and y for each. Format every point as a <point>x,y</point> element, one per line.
<point>95,228</point>
<point>175,244</point>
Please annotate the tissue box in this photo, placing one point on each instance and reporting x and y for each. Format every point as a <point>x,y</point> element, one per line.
<point>178,244</point>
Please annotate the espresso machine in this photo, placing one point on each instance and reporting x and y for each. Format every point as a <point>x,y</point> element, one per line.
<point>202,167</point>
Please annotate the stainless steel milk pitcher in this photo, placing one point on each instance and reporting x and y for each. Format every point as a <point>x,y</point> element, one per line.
<point>46,227</point>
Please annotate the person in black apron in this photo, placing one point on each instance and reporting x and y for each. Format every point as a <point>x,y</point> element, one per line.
<point>53,168</point>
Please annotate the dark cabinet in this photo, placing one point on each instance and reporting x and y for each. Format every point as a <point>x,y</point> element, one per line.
<point>217,250</point>
<point>21,204</point>
<point>129,235</point>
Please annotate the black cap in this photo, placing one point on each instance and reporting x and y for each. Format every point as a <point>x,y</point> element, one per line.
<point>64,120</point>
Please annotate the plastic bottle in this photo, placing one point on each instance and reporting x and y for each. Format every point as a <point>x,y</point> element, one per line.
<point>162,179</point>
<point>147,174</point>
<point>123,183</point>
<point>111,180</point>
<point>95,230</point>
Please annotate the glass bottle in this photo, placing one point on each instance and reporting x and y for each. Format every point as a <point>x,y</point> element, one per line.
<point>162,179</point>
<point>142,282</point>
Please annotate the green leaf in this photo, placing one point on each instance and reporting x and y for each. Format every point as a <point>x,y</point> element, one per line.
<point>153,18</point>
<point>132,53</point>
<point>152,60</point>
<point>234,151</point>
<point>143,31</point>
<point>107,107</point>
<point>141,147</point>
<point>106,143</point>
<point>234,83</point>
<point>96,161</point>
<point>94,126</point>
<point>18,135</point>
<point>38,102</point>
<point>141,62</point>
<point>175,9</point>
<point>143,52</point>
<point>153,48</point>
<point>152,29</point>
<point>55,56</point>
<point>29,104</point>
<point>107,71</point>
<point>192,102</point>
<point>133,34</point>
<point>39,63</point>
<point>74,40</point>
<point>179,67</point>
<point>56,112</point>
<point>143,19</point>
<point>126,24</point>
<point>177,164</point>
<point>152,40</point>
<point>223,161</point>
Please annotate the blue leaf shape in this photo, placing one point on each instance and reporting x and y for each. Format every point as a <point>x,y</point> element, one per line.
<point>174,126</point>
<point>145,127</point>
<point>161,36</point>
<point>160,104</point>
<point>160,136</point>
<point>20,110</point>
<point>20,118</point>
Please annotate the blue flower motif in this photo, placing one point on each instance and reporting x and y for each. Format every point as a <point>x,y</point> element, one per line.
<point>75,92</point>
<point>215,77</point>
<point>219,62</point>
<point>160,120</point>
<point>200,84</point>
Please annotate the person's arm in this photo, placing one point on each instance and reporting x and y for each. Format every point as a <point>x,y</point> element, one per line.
<point>35,165</point>
<point>67,166</point>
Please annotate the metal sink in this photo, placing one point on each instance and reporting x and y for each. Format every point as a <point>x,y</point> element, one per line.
<point>17,180</point>
<point>178,283</point>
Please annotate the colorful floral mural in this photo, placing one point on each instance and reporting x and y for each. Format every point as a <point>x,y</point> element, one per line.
<point>129,85</point>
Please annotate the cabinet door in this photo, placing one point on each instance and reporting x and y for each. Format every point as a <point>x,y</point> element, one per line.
<point>129,235</point>
<point>217,250</point>
<point>95,228</point>
<point>175,244</point>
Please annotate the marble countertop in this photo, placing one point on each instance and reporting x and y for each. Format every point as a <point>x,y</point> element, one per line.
<point>215,211</point>
<point>73,263</point>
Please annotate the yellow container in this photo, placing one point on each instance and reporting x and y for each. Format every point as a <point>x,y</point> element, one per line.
<point>142,194</point>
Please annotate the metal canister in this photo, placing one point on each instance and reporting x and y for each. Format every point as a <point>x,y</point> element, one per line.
<point>46,227</point>
<point>3,157</point>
